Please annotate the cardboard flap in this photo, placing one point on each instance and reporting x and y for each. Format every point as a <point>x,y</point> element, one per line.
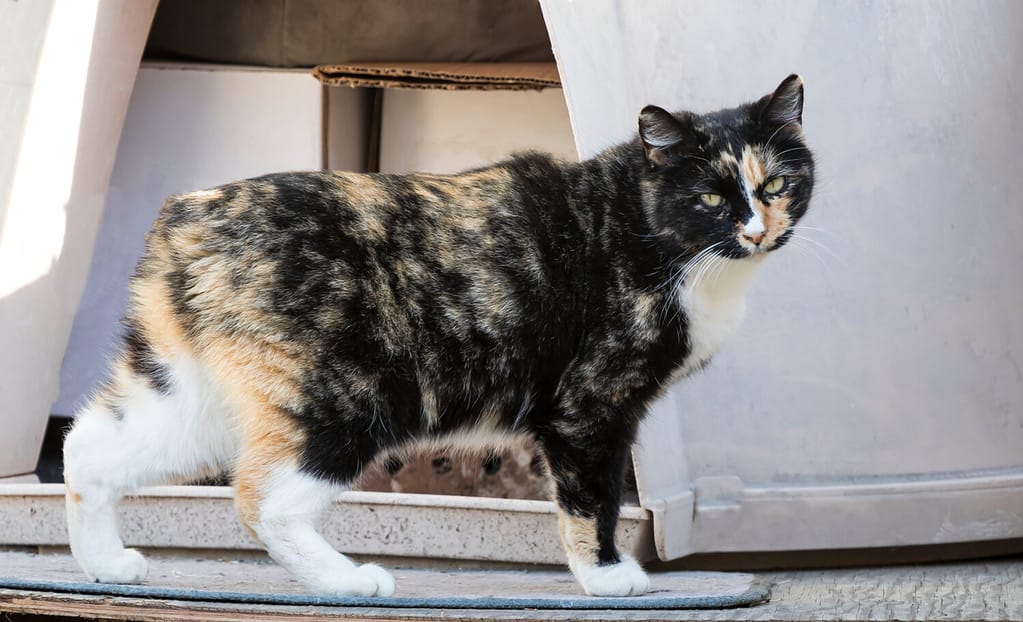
<point>449,76</point>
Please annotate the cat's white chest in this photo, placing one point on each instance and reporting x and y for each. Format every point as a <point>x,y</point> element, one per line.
<point>714,306</point>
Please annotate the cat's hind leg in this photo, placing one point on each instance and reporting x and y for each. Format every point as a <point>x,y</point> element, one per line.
<point>280,505</point>
<point>156,422</point>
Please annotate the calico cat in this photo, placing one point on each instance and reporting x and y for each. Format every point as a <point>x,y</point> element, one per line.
<point>290,329</point>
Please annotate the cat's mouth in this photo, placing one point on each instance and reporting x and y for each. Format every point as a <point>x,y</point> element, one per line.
<point>760,249</point>
<point>757,250</point>
<point>766,246</point>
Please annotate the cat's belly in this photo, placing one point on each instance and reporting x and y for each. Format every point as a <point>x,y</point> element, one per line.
<point>714,307</point>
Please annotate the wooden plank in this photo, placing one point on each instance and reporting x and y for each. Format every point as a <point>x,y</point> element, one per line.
<point>138,609</point>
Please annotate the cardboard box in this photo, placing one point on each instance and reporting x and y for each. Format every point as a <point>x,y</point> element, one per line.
<point>190,127</point>
<point>442,131</point>
<point>447,117</point>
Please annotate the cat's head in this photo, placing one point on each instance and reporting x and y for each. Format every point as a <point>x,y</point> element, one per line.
<point>734,181</point>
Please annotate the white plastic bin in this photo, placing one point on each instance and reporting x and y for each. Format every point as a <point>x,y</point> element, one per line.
<point>874,395</point>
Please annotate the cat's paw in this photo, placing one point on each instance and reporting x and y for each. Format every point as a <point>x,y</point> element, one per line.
<point>364,580</point>
<point>384,579</point>
<point>625,578</point>
<point>128,567</point>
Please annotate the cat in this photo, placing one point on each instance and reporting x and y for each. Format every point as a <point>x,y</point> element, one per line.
<point>290,329</point>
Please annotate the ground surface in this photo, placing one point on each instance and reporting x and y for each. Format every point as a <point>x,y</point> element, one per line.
<point>991,590</point>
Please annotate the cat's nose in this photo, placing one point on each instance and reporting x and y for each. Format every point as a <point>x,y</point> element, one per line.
<point>754,229</point>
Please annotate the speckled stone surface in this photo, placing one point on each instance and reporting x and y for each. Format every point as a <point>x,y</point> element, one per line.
<point>366,523</point>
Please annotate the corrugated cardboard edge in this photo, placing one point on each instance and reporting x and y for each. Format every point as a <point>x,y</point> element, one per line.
<point>448,76</point>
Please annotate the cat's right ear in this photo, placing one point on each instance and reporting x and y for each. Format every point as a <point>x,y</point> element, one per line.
<point>660,132</point>
<point>784,107</point>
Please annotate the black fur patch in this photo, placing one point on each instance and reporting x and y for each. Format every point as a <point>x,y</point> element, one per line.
<point>143,361</point>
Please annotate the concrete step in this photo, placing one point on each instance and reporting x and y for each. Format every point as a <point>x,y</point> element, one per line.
<point>366,523</point>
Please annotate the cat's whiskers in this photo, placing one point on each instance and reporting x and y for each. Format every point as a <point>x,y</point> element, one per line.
<point>817,243</point>
<point>806,245</point>
<point>694,263</point>
<point>809,228</point>
<point>719,267</point>
<point>804,251</point>
<point>698,270</point>
<point>673,273</point>
<point>695,266</point>
<point>708,271</point>
<point>671,283</point>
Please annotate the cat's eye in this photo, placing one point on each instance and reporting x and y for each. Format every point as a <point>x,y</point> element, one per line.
<point>775,185</point>
<point>712,200</point>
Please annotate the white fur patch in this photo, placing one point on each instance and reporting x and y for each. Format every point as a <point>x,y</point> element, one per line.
<point>747,192</point>
<point>715,307</point>
<point>287,528</point>
<point>160,439</point>
<point>755,225</point>
<point>625,578</point>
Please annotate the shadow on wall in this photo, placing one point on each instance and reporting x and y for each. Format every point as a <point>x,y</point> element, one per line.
<point>82,83</point>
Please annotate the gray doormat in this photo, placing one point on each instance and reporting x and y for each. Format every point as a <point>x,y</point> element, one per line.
<point>267,584</point>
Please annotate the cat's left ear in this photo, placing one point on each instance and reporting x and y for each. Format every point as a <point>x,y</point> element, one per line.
<point>660,132</point>
<point>785,105</point>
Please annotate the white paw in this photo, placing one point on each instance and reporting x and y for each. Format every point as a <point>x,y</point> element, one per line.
<point>365,580</point>
<point>625,578</point>
<point>384,580</point>
<point>128,567</point>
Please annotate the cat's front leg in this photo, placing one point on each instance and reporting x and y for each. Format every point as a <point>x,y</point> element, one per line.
<point>587,463</point>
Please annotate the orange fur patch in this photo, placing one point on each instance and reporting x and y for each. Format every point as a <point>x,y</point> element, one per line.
<point>579,535</point>
<point>776,219</point>
<point>752,168</point>
<point>153,310</point>
<point>271,440</point>
<point>725,163</point>
<point>260,381</point>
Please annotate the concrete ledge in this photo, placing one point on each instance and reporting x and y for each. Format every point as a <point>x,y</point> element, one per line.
<point>366,523</point>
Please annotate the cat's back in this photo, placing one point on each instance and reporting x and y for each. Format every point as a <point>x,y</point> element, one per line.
<point>369,208</point>
<point>287,244</point>
<point>264,209</point>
